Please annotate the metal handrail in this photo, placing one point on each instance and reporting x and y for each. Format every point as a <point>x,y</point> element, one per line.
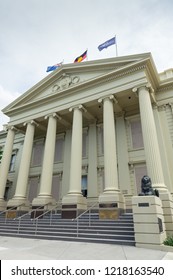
<point>36,219</point>
<point>84,212</point>
<point>7,210</point>
<point>33,210</point>
<point>77,218</point>
<point>50,210</point>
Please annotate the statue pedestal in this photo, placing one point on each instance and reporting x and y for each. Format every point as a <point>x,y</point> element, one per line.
<point>148,219</point>
<point>167,205</point>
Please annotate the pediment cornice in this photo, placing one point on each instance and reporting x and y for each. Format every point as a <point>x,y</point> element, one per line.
<point>68,81</point>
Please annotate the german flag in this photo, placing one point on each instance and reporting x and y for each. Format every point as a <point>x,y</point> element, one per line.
<point>81,57</point>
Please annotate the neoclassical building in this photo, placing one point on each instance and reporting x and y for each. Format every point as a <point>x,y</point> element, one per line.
<point>86,134</point>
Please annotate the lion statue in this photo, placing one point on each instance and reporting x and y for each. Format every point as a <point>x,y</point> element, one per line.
<point>146,187</point>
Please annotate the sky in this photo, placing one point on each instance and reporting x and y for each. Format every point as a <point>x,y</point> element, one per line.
<point>35,34</point>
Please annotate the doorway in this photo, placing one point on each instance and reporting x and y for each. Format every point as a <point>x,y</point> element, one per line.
<point>84,185</point>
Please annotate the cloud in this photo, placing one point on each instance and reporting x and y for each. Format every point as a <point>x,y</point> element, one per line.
<point>6,97</point>
<point>37,33</point>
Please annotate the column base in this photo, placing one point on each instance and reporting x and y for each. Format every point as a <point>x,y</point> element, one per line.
<point>73,205</point>
<point>48,202</point>
<point>148,221</point>
<point>19,206</point>
<point>3,204</point>
<point>20,203</point>
<point>111,205</point>
<point>167,206</point>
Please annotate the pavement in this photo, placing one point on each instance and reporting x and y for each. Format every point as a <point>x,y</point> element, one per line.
<point>13,248</point>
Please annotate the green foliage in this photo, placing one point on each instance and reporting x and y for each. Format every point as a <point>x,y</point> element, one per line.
<point>168,241</point>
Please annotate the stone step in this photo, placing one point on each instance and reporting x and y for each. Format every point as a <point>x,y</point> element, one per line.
<point>76,239</point>
<point>119,231</point>
<point>71,230</point>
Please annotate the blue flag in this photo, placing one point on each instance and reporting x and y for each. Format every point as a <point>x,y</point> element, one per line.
<point>54,67</point>
<point>107,44</point>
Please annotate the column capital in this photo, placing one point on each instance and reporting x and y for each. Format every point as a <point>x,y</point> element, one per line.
<point>79,107</point>
<point>148,87</point>
<point>54,115</point>
<point>32,122</point>
<point>111,97</point>
<point>10,127</point>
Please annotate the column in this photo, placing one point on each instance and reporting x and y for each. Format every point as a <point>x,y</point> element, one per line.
<point>5,163</point>
<point>151,146</point>
<point>111,195</point>
<point>122,153</point>
<point>110,158</point>
<point>152,154</point>
<point>164,140</point>
<point>74,203</point>
<point>22,180</point>
<point>45,194</point>
<point>123,160</point>
<point>76,153</point>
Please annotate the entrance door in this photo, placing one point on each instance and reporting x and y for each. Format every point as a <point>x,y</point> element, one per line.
<point>84,185</point>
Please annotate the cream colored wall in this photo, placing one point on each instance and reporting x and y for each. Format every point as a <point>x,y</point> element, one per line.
<point>128,157</point>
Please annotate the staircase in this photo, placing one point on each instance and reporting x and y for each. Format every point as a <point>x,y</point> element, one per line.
<point>85,229</point>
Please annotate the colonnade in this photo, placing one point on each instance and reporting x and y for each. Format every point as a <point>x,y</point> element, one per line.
<point>111,191</point>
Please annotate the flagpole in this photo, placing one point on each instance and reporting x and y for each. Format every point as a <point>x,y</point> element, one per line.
<point>87,55</point>
<point>116,46</point>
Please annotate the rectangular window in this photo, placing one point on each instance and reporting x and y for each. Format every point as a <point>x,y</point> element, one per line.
<point>136,133</point>
<point>56,187</point>
<point>33,188</point>
<point>59,149</point>
<point>37,155</point>
<point>12,163</point>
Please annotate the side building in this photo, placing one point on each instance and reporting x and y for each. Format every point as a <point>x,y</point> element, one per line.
<point>88,133</point>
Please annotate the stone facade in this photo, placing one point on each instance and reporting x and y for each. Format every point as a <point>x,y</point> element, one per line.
<point>87,133</point>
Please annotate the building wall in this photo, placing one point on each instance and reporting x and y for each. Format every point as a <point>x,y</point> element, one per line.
<point>43,101</point>
<point>130,155</point>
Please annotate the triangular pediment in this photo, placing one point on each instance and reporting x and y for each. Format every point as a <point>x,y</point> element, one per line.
<point>71,76</point>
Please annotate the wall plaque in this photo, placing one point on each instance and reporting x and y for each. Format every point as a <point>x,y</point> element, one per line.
<point>160,225</point>
<point>145,204</point>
